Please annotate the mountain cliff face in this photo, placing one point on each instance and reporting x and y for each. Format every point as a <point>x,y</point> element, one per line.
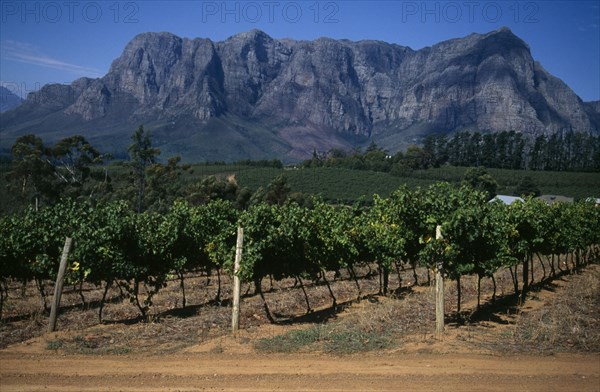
<point>252,96</point>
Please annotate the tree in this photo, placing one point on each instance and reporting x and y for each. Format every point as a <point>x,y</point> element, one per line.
<point>537,160</point>
<point>434,147</point>
<point>527,187</point>
<point>48,173</point>
<point>414,158</point>
<point>72,158</point>
<point>488,150</point>
<point>478,178</point>
<point>517,152</point>
<point>277,192</point>
<point>142,155</point>
<point>376,159</point>
<point>31,172</point>
<point>216,188</point>
<point>164,184</point>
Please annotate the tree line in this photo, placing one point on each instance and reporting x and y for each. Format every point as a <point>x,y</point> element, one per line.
<point>564,151</point>
<point>38,174</point>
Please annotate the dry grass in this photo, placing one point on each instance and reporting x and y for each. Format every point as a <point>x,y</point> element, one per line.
<point>569,321</point>
<point>374,323</point>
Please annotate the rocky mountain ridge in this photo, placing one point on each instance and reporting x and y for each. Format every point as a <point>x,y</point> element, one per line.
<point>252,96</point>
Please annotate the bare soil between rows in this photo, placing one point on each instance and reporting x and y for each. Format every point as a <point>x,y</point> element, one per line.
<point>193,350</point>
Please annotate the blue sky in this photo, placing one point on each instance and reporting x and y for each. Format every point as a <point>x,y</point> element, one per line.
<point>59,41</point>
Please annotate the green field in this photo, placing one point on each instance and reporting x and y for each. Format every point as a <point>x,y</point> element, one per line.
<point>338,184</point>
<point>347,186</point>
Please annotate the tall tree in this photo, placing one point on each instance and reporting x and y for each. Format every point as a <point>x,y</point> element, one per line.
<point>434,147</point>
<point>537,159</point>
<point>414,157</point>
<point>474,149</point>
<point>31,172</point>
<point>72,159</point>
<point>488,147</point>
<point>164,183</point>
<point>553,153</point>
<point>277,191</point>
<point>142,155</point>
<point>518,151</point>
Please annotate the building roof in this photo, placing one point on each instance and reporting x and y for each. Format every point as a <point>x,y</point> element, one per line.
<point>506,199</point>
<point>551,199</point>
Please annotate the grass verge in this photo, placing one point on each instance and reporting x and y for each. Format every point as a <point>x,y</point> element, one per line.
<point>382,324</point>
<point>569,322</point>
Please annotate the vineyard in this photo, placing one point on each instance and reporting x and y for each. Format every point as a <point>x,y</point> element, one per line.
<point>148,296</point>
<point>139,252</point>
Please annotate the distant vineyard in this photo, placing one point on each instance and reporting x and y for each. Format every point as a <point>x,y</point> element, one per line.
<point>333,184</point>
<point>140,251</point>
<point>347,185</point>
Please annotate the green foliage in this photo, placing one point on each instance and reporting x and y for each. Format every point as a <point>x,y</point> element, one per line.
<point>164,184</point>
<point>187,215</point>
<point>102,241</point>
<point>215,188</point>
<point>290,342</point>
<point>72,159</point>
<point>142,155</point>
<point>478,178</point>
<point>42,175</point>
<point>276,192</point>
<point>380,233</point>
<point>564,151</point>
<point>140,250</point>
<point>527,187</point>
<point>30,174</point>
<point>340,341</point>
<point>578,185</point>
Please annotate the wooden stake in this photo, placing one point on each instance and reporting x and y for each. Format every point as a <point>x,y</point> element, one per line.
<point>59,284</point>
<point>235,317</point>
<point>439,291</point>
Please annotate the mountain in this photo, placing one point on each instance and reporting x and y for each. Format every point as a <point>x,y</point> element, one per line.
<point>8,99</point>
<point>252,96</point>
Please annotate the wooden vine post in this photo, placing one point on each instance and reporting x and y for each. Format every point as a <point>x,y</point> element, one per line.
<point>59,284</point>
<point>439,291</point>
<point>235,317</point>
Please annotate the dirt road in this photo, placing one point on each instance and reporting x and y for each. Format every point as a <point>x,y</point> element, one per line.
<point>251,372</point>
<point>465,360</point>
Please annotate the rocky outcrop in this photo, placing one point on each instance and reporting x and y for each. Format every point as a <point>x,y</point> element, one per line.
<point>318,93</point>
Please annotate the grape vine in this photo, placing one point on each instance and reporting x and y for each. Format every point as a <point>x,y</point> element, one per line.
<point>139,252</point>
